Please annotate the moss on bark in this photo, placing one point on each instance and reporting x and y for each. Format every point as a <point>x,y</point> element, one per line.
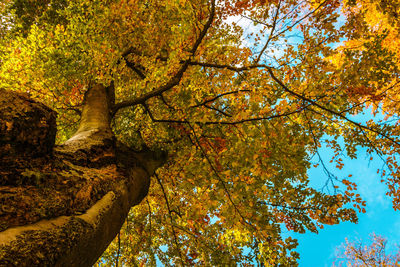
<point>62,206</point>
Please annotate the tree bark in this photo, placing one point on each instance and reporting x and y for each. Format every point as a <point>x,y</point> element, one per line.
<point>62,205</point>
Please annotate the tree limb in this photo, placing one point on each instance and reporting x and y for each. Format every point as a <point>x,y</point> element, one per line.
<point>271,33</point>
<point>338,114</point>
<point>177,77</point>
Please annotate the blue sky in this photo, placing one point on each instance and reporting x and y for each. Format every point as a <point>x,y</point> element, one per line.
<point>380,218</point>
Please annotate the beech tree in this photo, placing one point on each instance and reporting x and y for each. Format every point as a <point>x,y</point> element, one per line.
<point>212,111</point>
<point>355,253</point>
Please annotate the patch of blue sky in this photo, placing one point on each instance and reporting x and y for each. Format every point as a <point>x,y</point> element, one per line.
<point>251,28</point>
<point>380,218</point>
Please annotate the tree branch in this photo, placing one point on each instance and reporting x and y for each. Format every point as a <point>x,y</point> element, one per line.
<point>218,110</point>
<point>301,19</point>
<point>170,216</point>
<point>177,77</point>
<point>270,37</point>
<point>216,173</point>
<point>218,96</point>
<point>135,68</point>
<point>119,249</point>
<point>225,122</point>
<point>205,29</point>
<point>338,114</point>
<point>226,66</point>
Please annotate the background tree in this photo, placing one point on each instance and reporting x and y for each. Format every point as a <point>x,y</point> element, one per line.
<point>374,254</point>
<point>241,113</point>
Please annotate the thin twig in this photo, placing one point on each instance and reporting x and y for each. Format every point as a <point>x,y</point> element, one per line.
<point>119,249</point>
<point>218,96</point>
<point>270,37</point>
<point>170,216</point>
<point>219,177</point>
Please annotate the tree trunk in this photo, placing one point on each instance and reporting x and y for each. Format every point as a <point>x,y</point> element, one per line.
<point>62,205</point>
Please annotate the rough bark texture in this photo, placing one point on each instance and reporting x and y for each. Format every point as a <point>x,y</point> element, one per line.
<point>63,205</point>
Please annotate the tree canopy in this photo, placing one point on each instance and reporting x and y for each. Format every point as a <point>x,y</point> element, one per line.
<point>242,95</point>
<point>355,253</point>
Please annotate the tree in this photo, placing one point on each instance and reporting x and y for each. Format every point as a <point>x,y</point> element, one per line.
<point>357,254</point>
<point>225,119</point>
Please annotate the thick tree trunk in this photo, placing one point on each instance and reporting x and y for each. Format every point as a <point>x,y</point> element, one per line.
<point>63,205</point>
